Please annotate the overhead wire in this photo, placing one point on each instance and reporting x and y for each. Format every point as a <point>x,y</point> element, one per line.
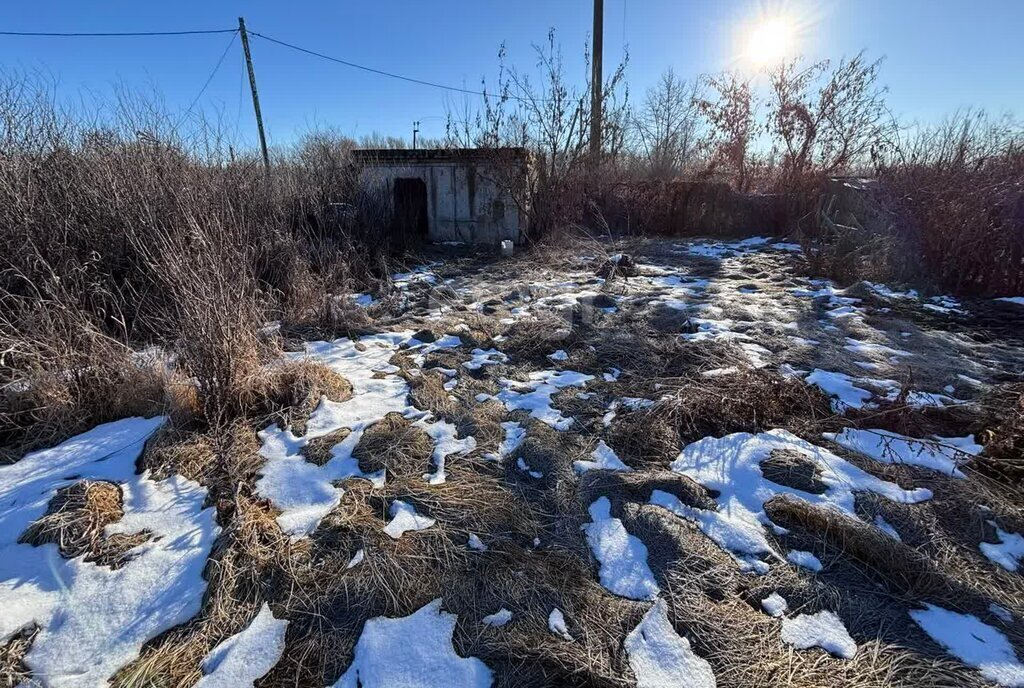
<point>393,75</point>
<point>107,34</point>
<point>206,84</point>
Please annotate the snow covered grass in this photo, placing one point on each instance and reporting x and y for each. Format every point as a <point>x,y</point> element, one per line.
<point>414,517</point>
<point>731,466</point>
<point>94,619</point>
<point>661,658</point>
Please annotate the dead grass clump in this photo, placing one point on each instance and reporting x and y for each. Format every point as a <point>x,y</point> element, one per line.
<point>539,336</point>
<point>289,392</point>
<point>13,671</point>
<point>318,450</point>
<point>395,445</point>
<point>892,562</point>
<point>218,458</point>
<point>427,393</point>
<point>749,401</point>
<point>645,437</point>
<point>793,469</point>
<point>1003,458</point>
<point>76,517</point>
<point>636,486</point>
<point>48,395</point>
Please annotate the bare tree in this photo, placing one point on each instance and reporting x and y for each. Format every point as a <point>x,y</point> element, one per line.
<point>667,125</point>
<point>731,113</point>
<point>550,117</point>
<point>826,120</point>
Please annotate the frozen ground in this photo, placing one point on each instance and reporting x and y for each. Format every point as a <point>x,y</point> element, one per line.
<point>707,467</point>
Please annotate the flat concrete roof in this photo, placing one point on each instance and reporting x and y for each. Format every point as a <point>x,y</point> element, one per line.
<point>423,155</point>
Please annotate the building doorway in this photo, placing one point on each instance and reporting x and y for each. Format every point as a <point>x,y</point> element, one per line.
<point>410,198</point>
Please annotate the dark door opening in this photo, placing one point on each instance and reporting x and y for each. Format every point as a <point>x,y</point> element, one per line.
<point>410,220</point>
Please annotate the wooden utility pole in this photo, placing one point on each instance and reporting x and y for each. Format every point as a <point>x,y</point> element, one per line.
<point>415,130</point>
<point>595,82</point>
<point>255,94</point>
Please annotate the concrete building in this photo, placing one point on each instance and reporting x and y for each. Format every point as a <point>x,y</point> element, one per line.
<point>470,195</point>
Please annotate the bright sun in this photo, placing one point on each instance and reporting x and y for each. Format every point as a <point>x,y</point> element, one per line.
<point>770,41</point>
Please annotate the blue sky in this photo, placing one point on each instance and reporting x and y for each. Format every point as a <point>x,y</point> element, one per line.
<point>940,54</point>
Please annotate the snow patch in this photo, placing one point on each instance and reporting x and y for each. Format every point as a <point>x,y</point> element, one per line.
<point>1008,552</point>
<point>775,605</point>
<point>535,395</point>
<point>514,436</point>
<point>247,655</point>
<point>824,630</point>
<point>804,559</point>
<point>973,642</point>
<point>605,459</point>
<point>622,557</point>
<point>412,651</point>
<point>404,517</point>
<point>556,624</point>
<point>939,454</point>
<point>661,658</point>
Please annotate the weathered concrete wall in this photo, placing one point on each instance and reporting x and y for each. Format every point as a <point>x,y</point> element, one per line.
<point>464,200</point>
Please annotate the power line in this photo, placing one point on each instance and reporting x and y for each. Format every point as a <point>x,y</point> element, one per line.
<point>216,68</point>
<point>392,75</point>
<point>106,34</point>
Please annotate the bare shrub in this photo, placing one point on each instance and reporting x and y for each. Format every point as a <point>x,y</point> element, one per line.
<point>958,191</point>
<point>119,231</point>
<point>552,120</point>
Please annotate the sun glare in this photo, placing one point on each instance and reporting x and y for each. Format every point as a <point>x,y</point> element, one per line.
<point>770,41</point>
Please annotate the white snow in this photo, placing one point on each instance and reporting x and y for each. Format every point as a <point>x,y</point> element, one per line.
<point>474,542</point>
<point>824,630</point>
<point>525,467</point>
<point>412,651</point>
<point>481,358</point>
<point>305,492</point>
<point>804,559</point>
<point>403,518</point>
<point>940,453</point>
<point>93,619</point>
<point>605,459</point>
<point>889,293</point>
<point>973,642</point>
<point>535,395</point>
<point>559,355</point>
<point>873,349</point>
<point>1008,552</point>
<point>498,618</point>
<point>1019,300</point>
<point>515,433</point>
<point>730,465</point>
<point>556,624</point>
<point>622,557</point>
<point>356,559</point>
<point>1001,613</point>
<point>775,605</point>
<point>247,655</point>
<point>661,658</point>
<point>887,528</point>
<point>446,443</point>
<point>840,387</point>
